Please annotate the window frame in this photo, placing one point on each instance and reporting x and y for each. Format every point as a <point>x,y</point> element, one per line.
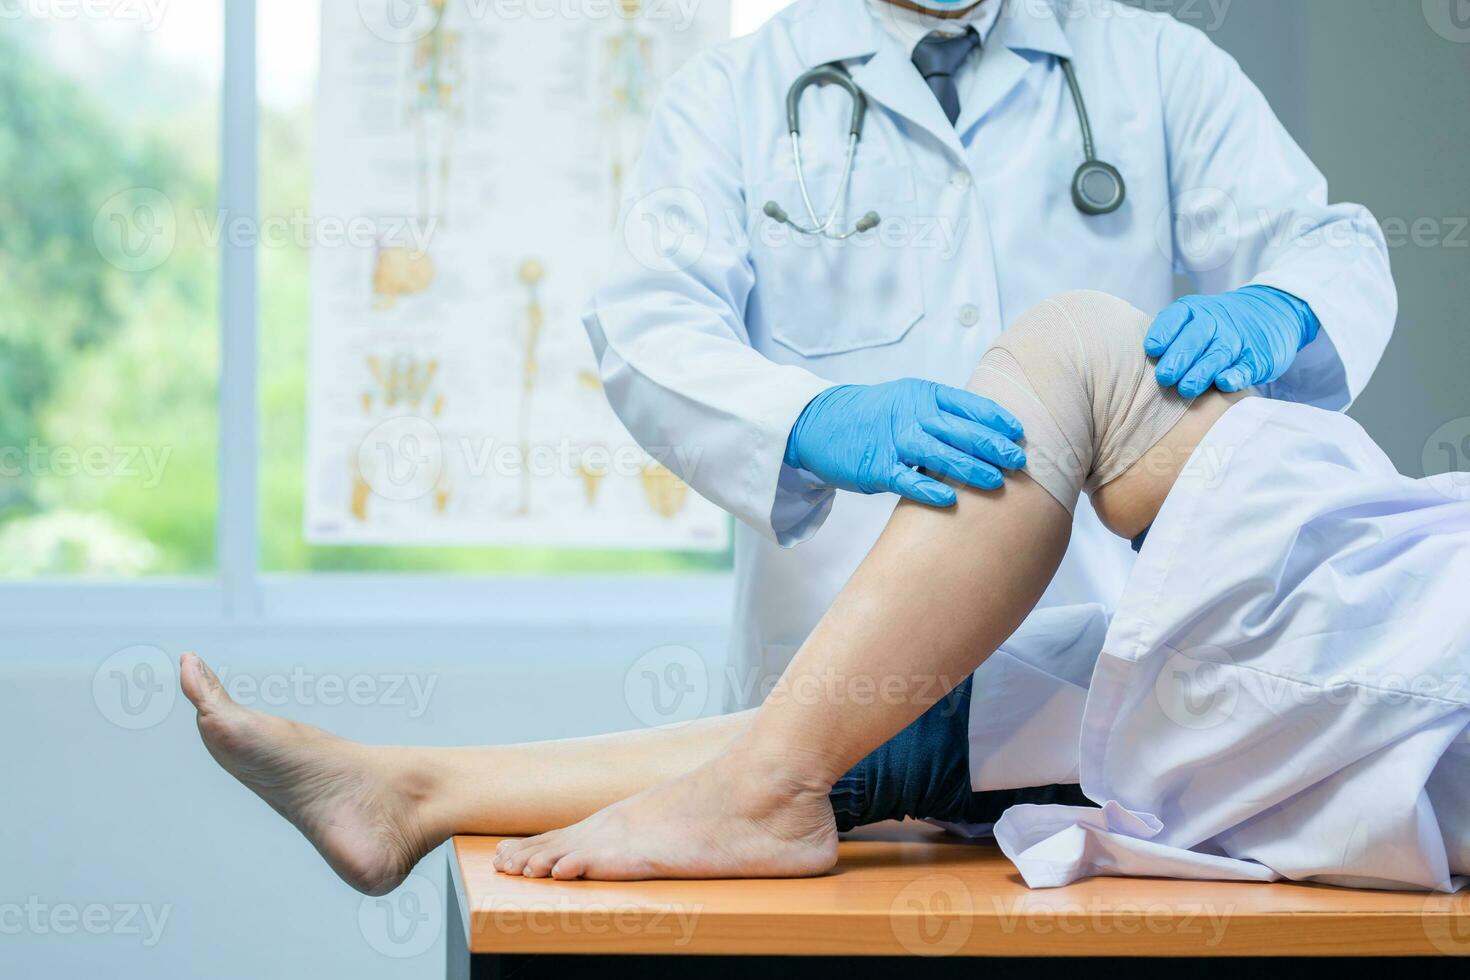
<point>239,589</point>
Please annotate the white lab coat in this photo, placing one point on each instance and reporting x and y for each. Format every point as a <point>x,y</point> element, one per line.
<point>715,326</point>
<point>1282,692</point>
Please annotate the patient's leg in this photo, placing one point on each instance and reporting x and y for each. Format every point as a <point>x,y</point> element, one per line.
<point>374,812</point>
<point>939,592</point>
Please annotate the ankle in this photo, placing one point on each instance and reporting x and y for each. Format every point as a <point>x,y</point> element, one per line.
<point>768,775</point>
<point>418,787</point>
<point>791,758</point>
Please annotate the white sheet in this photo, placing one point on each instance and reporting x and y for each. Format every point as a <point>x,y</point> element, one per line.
<point>1282,692</point>
<point>1028,698</point>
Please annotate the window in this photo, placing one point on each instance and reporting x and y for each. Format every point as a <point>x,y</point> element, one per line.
<point>122,281</point>
<point>109,130</point>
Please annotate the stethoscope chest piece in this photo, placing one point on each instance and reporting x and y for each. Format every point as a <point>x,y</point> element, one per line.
<point>1098,188</point>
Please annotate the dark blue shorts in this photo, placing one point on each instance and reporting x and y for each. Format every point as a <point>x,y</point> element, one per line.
<point>924,772</point>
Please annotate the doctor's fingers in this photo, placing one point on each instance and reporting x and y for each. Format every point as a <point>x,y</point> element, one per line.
<point>918,448</point>
<point>1221,354</point>
<point>921,489</point>
<point>1186,350</point>
<point>975,439</point>
<point>968,405</point>
<point>1244,373</point>
<point>1166,327</point>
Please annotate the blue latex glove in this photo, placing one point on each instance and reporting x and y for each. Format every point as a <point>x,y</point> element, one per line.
<point>1233,341</point>
<point>869,438</point>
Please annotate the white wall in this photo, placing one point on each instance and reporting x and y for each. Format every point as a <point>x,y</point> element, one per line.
<point>94,814</point>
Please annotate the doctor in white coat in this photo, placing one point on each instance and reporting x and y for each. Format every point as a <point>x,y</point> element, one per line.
<point>799,380</point>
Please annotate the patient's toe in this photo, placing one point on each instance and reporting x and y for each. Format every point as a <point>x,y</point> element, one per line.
<point>514,862</point>
<point>539,865</point>
<point>570,866</point>
<point>613,864</point>
<point>503,851</point>
<point>507,854</point>
<point>201,686</point>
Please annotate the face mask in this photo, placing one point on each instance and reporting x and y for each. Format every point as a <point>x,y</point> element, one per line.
<point>943,6</point>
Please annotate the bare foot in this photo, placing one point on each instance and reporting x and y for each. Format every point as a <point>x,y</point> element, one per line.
<point>356,810</point>
<point>727,819</point>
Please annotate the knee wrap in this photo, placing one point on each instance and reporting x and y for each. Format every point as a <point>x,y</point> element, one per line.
<point>1074,372</point>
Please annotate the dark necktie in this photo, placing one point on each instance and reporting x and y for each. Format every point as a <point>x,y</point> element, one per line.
<point>938,57</point>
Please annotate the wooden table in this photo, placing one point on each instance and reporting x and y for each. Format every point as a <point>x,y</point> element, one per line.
<point>908,891</point>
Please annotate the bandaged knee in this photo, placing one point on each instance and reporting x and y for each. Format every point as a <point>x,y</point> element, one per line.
<point>1073,371</point>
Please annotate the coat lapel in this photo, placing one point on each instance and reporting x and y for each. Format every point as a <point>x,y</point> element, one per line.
<point>844,30</point>
<point>1024,30</point>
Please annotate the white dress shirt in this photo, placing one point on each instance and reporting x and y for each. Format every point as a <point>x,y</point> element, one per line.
<point>909,27</point>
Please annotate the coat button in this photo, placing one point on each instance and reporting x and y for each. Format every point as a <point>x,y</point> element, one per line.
<point>969,315</point>
<point>960,181</point>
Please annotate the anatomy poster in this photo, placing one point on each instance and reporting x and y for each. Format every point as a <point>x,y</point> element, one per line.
<point>473,155</point>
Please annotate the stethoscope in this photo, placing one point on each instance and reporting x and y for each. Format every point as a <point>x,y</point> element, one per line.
<point>1097,188</point>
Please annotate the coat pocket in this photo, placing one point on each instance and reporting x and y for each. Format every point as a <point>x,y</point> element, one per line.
<point>825,297</point>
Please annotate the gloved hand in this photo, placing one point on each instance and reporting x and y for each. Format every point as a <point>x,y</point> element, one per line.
<point>869,438</point>
<point>1233,341</point>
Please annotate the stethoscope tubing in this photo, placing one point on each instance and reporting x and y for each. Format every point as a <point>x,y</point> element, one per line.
<point>1089,149</point>
<point>821,229</point>
<point>836,74</point>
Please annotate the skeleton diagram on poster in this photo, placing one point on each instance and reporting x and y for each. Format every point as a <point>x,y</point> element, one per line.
<point>453,395</point>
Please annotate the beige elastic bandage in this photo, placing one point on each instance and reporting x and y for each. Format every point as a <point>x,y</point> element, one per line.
<point>1073,371</point>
